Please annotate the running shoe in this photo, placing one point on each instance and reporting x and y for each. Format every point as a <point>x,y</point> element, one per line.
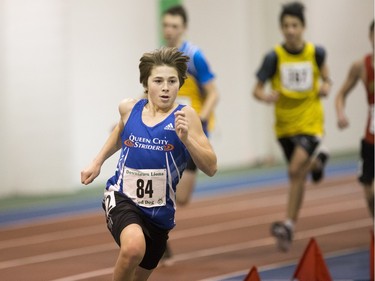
<point>318,173</point>
<point>283,235</point>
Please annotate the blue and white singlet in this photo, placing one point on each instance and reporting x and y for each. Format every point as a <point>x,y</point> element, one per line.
<point>151,164</point>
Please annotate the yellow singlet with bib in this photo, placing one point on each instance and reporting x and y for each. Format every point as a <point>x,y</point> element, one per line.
<point>299,109</point>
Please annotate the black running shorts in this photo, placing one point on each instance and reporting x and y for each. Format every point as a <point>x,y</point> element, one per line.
<point>124,213</point>
<point>367,163</point>
<point>307,142</point>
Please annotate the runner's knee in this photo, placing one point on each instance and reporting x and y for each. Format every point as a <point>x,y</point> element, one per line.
<point>132,253</point>
<point>295,172</point>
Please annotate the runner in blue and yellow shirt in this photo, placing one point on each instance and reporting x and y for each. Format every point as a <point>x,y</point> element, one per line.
<point>199,90</point>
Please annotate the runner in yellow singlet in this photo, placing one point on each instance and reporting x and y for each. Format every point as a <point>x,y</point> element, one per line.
<point>299,78</point>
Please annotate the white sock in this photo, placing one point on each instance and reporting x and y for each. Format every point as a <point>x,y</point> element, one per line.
<point>290,224</point>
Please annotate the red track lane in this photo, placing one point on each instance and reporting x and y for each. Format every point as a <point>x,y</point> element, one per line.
<point>213,236</point>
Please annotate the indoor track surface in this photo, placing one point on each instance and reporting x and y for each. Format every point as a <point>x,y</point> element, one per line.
<point>219,236</point>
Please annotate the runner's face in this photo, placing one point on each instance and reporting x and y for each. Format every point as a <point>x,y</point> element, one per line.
<point>292,29</point>
<point>173,30</point>
<point>163,86</point>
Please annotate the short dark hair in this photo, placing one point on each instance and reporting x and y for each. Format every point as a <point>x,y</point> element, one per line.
<point>164,56</point>
<point>295,9</point>
<point>177,10</point>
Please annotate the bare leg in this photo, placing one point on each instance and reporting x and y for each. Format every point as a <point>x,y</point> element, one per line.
<point>132,250</point>
<point>185,187</point>
<point>299,166</point>
<point>297,171</point>
<point>142,274</point>
<point>369,193</point>
<point>184,193</point>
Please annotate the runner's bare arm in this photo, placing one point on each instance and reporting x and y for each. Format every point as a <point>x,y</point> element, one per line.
<point>110,147</point>
<point>189,130</point>
<point>260,94</point>
<point>351,80</point>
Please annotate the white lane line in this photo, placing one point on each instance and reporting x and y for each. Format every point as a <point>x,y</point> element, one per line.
<point>52,236</point>
<point>264,219</point>
<point>332,182</point>
<point>272,200</point>
<point>26,223</point>
<point>189,233</point>
<point>341,227</point>
<point>58,255</point>
<point>86,275</point>
<point>338,207</point>
<point>268,241</point>
<point>245,204</point>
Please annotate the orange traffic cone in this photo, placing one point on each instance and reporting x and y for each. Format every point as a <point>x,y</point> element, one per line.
<point>372,257</point>
<point>312,266</point>
<point>253,275</point>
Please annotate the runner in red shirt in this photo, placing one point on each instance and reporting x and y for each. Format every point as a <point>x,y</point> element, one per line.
<point>363,70</point>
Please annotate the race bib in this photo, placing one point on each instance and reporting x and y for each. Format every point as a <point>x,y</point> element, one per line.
<point>147,187</point>
<point>109,202</point>
<point>297,76</point>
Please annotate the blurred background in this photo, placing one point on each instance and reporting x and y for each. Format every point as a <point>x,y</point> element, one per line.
<point>66,65</point>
